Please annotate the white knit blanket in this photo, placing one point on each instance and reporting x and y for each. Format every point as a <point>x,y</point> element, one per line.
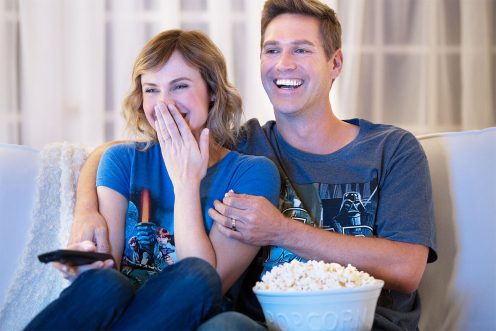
<point>37,284</point>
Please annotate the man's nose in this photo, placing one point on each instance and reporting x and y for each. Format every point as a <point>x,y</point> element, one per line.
<point>286,61</point>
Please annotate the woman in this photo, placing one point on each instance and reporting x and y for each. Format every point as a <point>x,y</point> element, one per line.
<point>155,196</point>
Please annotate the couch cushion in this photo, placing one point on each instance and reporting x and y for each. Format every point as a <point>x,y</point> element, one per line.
<point>458,292</point>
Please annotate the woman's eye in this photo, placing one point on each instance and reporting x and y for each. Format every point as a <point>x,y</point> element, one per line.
<point>179,87</point>
<point>151,90</point>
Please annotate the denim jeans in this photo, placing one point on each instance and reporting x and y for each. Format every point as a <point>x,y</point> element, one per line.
<point>180,297</point>
<point>231,321</point>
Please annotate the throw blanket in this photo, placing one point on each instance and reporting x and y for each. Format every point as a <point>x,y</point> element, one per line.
<point>37,284</point>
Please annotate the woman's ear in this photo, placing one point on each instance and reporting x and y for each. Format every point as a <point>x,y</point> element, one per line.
<point>212,102</point>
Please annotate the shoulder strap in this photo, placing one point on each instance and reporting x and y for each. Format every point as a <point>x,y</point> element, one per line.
<point>307,194</point>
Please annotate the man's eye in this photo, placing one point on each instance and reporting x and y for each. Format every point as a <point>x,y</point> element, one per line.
<point>271,51</point>
<point>301,51</point>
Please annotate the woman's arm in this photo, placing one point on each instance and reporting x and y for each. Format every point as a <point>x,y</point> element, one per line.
<point>260,177</point>
<point>186,161</point>
<point>232,256</point>
<point>113,207</point>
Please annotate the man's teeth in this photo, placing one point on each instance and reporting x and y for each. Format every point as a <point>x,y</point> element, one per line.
<point>288,83</point>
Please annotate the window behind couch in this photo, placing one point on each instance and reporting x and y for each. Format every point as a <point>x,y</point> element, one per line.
<point>425,65</point>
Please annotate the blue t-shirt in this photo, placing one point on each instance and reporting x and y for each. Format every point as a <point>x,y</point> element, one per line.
<point>142,178</point>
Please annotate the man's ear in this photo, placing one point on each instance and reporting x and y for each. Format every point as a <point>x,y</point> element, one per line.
<point>336,63</point>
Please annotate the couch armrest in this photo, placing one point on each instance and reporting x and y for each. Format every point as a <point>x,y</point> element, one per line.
<point>18,171</point>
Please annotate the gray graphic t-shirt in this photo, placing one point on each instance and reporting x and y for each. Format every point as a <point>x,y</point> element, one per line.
<point>378,185</point>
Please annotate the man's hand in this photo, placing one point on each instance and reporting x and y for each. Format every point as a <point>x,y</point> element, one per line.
<point>258,222</point>
<point>90,227</point>
<point>88,223</point>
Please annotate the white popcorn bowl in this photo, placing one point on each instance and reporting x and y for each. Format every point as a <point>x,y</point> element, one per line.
<point>335,309</point>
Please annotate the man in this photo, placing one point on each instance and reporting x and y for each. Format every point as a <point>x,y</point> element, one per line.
<point>355,192</point>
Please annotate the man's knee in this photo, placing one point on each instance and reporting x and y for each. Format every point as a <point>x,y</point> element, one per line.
<point>231,320</point>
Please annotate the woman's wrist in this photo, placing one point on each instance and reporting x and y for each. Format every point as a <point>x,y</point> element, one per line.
<point>186,190</point>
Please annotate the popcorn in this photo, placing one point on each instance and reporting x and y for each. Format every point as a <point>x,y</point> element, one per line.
<point>312,276</point>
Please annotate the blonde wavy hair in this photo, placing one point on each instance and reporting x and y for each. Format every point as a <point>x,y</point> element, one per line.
<point>200,52</point>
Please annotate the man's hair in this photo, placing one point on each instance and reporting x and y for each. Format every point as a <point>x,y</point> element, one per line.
<point>199,51</point>
<point>330,28</point>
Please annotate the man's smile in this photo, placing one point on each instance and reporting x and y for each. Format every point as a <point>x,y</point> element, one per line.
<point>288,83</point>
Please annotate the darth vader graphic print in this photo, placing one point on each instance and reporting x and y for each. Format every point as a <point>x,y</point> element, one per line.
<point>348,208</point>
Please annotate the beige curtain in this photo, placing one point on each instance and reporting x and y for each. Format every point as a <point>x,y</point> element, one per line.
<point>62,59</point>
<point>9,72</point>
<point>425,65</point>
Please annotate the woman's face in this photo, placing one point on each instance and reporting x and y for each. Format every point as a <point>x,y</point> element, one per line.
<point>181,84</point>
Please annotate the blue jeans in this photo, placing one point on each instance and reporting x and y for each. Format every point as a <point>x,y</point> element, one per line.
<point>231,320</point>
<point>180,297</point>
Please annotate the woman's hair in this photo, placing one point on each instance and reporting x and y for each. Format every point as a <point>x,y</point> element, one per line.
<point>330,28</point>
<point>199,51</point>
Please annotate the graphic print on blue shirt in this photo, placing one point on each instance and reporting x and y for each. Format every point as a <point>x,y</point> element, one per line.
<point>349,208</point>
<point>344,208</point>
<point>149,247</point>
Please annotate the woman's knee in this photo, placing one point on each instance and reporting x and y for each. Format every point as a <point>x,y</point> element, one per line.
<point>201,273</point>
<point>108,283</point>
<point>190,277</point>
<point>192,270</point>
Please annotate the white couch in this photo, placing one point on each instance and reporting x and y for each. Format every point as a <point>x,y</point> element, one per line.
<point>42,184</point>
<point>458,291</point>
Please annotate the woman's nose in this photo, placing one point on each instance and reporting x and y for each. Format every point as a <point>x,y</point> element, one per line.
<point>165,99</point>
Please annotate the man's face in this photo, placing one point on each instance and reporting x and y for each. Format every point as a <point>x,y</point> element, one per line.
<point>295,72</point>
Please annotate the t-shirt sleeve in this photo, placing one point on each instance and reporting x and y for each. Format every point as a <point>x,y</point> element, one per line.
<point>114,169</point>
<point>258,176</point>
<point>405,211</point>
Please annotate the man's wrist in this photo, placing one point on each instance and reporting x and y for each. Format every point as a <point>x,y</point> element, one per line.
<point>283,231</point>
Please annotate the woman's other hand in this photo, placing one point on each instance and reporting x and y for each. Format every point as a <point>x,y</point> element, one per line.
<point>72,272</point>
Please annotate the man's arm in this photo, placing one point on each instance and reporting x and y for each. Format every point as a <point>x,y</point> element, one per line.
<point>399,264</point>
<point>88,223</point>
